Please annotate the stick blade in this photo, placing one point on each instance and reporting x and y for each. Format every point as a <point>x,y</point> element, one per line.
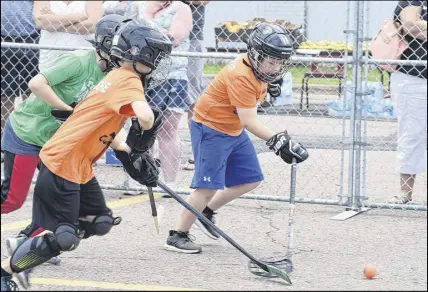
<point>280,273</point>
<point>155,218</point>
<point>272,269</point>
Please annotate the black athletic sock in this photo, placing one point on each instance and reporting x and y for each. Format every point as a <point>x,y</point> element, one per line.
<point>208,211</point>
<point>4,273</point>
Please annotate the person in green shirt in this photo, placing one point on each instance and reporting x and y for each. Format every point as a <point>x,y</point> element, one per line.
<point>32,124</point>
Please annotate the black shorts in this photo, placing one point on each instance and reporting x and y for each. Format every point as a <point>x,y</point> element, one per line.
<point>57,200</point>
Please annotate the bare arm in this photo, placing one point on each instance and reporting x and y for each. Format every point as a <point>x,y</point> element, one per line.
<point>181,25</point>
<point>250,121</point>
<point>94,10</point>
<point>40,87</point>
<point>119,143</point>
<point>53,22</point>
<point>412,23</point>
<point>144,114</point>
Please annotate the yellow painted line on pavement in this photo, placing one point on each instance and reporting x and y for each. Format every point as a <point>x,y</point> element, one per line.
<point>107,285</point>
<point>16,225</point>
<point>131,201</point>
<point>113,204</point>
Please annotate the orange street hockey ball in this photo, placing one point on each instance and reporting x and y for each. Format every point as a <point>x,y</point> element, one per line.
<point>369,271</point>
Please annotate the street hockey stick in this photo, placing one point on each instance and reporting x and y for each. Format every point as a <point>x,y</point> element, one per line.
<point>285,263</point>
<point>153,206</point>
<point>270,268</point>
<point>291,212</point>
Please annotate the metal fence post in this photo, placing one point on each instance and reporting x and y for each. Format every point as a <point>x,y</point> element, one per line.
<point>353,111</point>
<point>366,79</point>
<point>359,14</point>
<point>354,175</point>
<point>347,32</point>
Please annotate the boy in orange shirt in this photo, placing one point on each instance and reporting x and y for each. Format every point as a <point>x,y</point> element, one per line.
<point>68,202</point>
<point>224,154</point>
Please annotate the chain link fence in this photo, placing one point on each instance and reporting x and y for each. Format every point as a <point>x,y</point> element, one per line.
<point>336,100</point>
<point>393,128</point>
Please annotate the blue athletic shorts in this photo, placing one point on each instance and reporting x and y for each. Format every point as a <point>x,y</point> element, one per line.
<point>10,142</point>
<point>170,95</point>
<point>222,160</point>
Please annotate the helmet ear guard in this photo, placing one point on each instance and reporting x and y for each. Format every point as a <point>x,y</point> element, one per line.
<point>160,74</point>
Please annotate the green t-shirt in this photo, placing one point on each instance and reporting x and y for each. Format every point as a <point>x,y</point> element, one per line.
<point>71,78</point>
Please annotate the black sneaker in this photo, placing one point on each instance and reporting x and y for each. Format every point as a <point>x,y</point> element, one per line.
<point>210,232</point>
<point>8,285</point>
<point>181,242</point>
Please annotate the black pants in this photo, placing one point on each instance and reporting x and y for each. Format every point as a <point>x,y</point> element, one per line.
<point>57,200</point>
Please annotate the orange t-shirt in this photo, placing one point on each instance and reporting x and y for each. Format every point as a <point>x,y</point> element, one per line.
<point>89,131</point>
<point>235,86</point>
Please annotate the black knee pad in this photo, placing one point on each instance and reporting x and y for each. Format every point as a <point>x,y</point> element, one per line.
<point>67,236</point>
<point>37,250</point>
<point>101,225</point>
<point>34,251</point>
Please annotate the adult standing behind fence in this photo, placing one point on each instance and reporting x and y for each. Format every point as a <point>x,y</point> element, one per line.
<point>175,18</point>
<point>409,95</point>
<point>196,64</point>
<point>65,23</point>
<point>18,66</point>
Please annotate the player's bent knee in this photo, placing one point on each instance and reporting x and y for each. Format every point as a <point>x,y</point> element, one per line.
<point>12,202</point>
<point>207,193</point>
<point>16,205</point>
<point>67,236</point>
<point>100,225</point>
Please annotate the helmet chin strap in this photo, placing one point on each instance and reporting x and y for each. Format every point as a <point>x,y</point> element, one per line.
<point>108,64</point>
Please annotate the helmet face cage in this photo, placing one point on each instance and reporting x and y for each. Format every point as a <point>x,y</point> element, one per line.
<point>268,68</point>
<point>160,73</point>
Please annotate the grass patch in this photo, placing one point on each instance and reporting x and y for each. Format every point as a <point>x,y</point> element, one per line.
<point>299,71</point>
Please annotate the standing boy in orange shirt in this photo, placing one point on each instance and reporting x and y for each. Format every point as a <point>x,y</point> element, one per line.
<point>224,154</point>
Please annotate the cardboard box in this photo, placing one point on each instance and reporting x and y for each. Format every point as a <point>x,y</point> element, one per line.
<point>229,31</point>
<point>111,158</point>
<point>232,31</point>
